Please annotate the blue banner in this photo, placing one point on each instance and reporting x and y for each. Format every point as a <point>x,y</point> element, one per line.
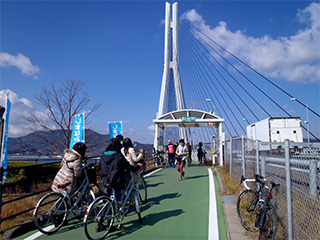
<point>4,160</point>
<point>114,129</point>
<point>78,130</point>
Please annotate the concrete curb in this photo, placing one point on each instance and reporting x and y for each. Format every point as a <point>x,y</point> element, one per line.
<point>235,230</point>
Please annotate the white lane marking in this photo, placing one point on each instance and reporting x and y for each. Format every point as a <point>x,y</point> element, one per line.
<point>149,174</point>
<point>213,233</point>
<point>38,234</point>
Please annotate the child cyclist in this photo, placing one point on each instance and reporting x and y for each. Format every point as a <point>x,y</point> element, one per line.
<point>182,152</point>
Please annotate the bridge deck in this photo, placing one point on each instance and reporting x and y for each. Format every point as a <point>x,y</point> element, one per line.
<point>175,210</point>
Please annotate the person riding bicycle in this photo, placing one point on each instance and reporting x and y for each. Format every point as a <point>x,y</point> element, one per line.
<point>71,168</point>
<point>182,152</point>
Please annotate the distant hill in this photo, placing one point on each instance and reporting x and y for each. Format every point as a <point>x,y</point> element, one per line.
<point>29,146</point>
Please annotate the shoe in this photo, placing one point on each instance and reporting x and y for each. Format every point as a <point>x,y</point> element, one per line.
<point>173,166</point>
<point>169,166</point>
<point>180,179</point>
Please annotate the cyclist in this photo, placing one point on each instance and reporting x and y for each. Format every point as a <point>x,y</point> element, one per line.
<point>182,152</point>
<point>70,168</point>
<point>171,153</point>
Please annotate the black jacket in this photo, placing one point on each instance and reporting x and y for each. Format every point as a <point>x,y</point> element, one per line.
<point>114,168</point>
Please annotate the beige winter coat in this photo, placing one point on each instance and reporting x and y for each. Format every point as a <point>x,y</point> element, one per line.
<point>70,170</point>
<point>131,156</point>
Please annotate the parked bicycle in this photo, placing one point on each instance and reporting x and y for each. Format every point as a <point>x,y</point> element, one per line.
<point>53,209</point>
<point>255,211</point>
<point>158,159</point>
<point>104,210</point>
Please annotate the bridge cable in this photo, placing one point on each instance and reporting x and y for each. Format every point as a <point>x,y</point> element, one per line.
<point>261,75</point>
<point>241,112</point>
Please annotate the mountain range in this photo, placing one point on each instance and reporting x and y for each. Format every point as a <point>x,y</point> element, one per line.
<point>29,145</point>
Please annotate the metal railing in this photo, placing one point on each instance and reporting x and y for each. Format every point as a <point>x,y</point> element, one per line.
<point>296,167</point>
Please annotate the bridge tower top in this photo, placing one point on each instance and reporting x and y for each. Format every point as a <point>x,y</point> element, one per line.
<point>170,62</point>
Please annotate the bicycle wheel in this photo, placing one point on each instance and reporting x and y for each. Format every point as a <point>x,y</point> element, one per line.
<point>50,213</point>
<point>137,205</point>
<point>99,218</point>
<point>268,223</point>
<point>247,208</point>
<point>143,191</point>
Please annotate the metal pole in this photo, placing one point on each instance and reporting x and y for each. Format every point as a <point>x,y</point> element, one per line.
<point>243,159</point>
<point>288,186</point>
<point>313,177</point>
<point>231,157</point>
<point>308,123</point>
<point>257,157</point>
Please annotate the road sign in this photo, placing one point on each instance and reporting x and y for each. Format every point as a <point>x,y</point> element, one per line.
<point>188,119</point>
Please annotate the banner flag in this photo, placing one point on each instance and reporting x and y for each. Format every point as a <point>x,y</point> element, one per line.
<point>78,130</point>
<point>115,128</point>
<point>4,160</point>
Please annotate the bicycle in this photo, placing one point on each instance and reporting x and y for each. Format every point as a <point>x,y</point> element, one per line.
<point>102,212</point>
<point>158,159</point>
<point>255,211</point>
<point>53,209</point>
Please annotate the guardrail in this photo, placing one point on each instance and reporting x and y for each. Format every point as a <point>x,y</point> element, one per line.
<point>296,167</point>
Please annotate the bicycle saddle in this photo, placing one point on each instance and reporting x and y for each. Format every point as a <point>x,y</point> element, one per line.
<point>64,185</point>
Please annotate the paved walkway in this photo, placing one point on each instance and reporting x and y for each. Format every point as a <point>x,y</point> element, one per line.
<point>175,210</point>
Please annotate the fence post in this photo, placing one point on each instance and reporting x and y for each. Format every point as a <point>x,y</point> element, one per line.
<point>288,186</point>
<point>243,159</point>
<point>257,157</point>
<point>230,158</point>
<point>263,166</point>
<point>313,177</point>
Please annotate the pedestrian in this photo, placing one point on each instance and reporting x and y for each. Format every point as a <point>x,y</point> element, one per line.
<point>182,152</point>
<point>113,148</point>
<point>130,155</point>
<point>189,149</point>
<point>119,138</point>
<point>70,171</point>
<point>171,154</point>
<point>200,153</point>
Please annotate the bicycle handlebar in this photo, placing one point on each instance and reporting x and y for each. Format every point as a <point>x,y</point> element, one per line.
<point>259,179</point>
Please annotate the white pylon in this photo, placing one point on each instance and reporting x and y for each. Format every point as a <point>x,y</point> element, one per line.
<point>170,27</point>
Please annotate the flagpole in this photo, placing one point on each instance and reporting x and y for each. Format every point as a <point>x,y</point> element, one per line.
<point>4,130</point>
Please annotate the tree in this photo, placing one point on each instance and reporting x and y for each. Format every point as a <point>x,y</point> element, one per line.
<point>62,103</point>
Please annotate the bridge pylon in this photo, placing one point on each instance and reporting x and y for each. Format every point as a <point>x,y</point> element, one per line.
<point>171,58</point>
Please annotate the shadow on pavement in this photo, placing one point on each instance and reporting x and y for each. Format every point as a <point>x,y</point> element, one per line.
<point>154,185</point>
<point>148,220</point>
<point>194,177</point>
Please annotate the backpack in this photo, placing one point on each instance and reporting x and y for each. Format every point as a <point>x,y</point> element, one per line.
<point>170,148</point>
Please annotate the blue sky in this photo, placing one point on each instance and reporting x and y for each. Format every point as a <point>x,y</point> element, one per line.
<point>117,46</point>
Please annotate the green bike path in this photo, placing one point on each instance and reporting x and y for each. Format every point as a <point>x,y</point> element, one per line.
<point>175,210</point>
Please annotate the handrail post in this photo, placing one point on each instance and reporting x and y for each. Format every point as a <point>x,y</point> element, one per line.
<point>288,186</point>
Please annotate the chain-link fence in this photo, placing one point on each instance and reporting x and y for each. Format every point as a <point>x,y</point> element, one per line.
<point>296,167</point>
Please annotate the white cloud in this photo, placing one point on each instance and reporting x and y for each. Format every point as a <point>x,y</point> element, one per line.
<point>152,127</point>
<point>21,62</point>
<point>295,58</point>
<point>20,108</point>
